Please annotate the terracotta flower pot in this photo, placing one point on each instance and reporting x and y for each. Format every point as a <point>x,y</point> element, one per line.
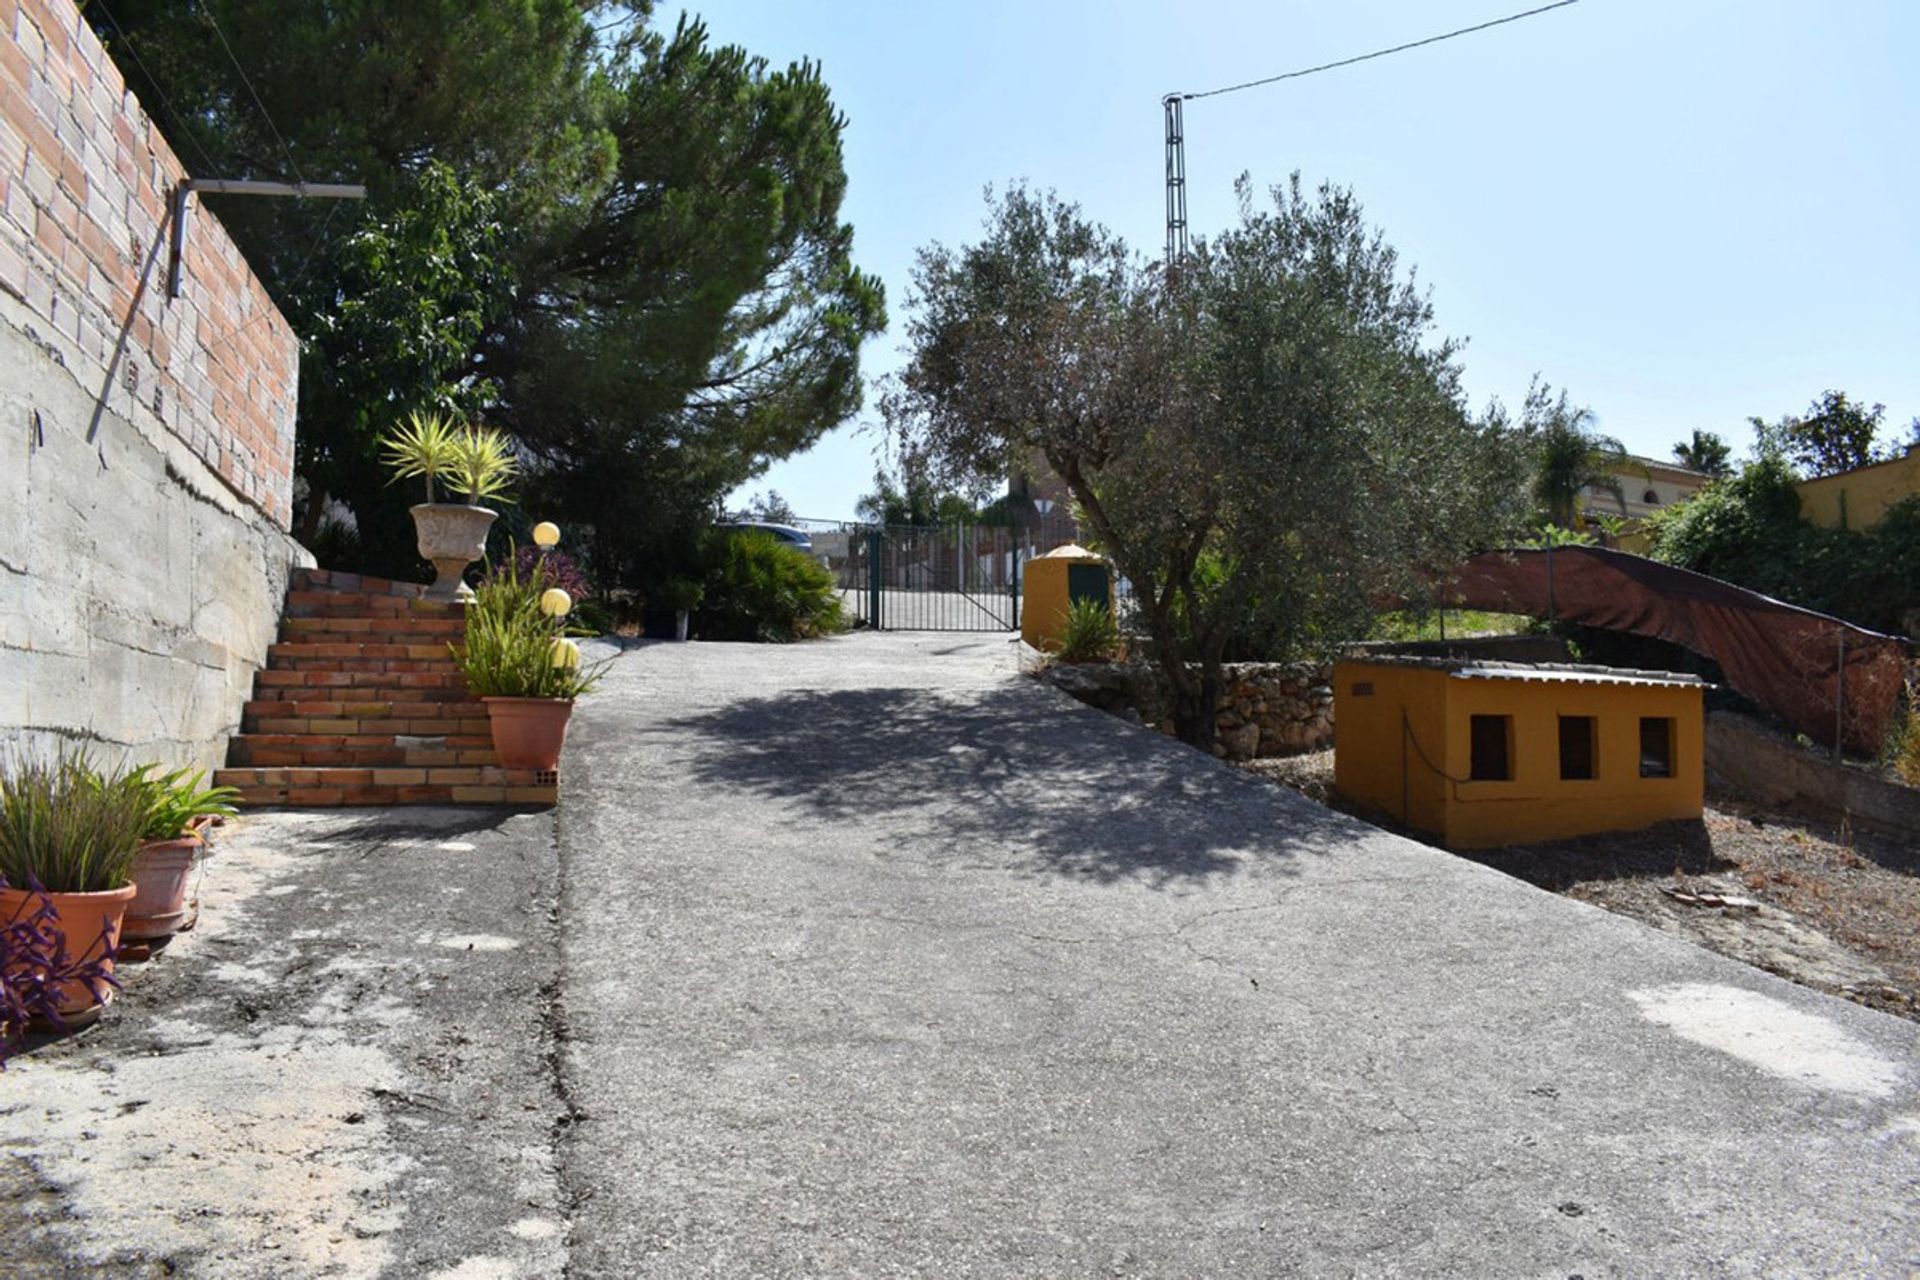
<point>161,871</point>
<point>528,732</point>
<point>80,918</point>
<point>453,536</point>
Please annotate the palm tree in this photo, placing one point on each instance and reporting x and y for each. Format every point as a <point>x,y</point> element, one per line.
<point>1706,453</point>
<point>1570,456</point>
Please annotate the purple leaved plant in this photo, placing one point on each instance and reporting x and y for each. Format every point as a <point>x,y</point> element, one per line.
<point>36,968</point>
<point>545,569</point>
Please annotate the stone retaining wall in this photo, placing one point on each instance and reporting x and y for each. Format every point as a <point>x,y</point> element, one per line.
<point>1769,768</point>
<point>1266,709</point>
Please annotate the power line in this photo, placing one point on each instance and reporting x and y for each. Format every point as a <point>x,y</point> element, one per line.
<point>160,95</point>
<point>299,277</point>
<point>206,12</point>
<point>1377,53</point>
<point>1176,125</point>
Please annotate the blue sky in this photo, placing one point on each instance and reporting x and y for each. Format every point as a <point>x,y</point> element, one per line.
<point>1685,211</point>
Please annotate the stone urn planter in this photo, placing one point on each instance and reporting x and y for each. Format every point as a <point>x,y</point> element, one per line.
<point>453,536</point>
<point>528,733</point>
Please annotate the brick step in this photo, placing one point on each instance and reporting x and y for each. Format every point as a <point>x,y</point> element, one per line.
<point>322,787</point>
<point>375,726</point>
<point>338,581</point>
<point>315,651</point>
<point>398,629</point>
<point>363,604</point>
<point>284,750</point>
<point>363,695</point>
<point>389,715</point>
<point>374,686</point>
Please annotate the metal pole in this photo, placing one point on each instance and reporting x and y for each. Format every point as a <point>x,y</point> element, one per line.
<point>1016,577</point>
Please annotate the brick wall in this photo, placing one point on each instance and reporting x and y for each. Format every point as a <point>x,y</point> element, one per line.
<point>146,444</point>
<point>85,186</point>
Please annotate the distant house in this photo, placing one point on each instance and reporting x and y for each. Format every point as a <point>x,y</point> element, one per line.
<point>1646,485</point>
<point>1491,753</point>
<point>1857,499</point>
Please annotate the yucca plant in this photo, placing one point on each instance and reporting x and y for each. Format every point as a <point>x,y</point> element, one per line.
<point>480,465</point>
<point>422,448</point>
<point>513,650</point>
<point>66,826</point>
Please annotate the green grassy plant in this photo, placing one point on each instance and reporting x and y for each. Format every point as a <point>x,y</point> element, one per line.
<point>1089,633</point>
<point>175,799</point>
<point>66,826</point>
<point>511,646</point>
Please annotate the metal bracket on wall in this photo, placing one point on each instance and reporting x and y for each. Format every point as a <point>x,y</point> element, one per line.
<point>241,187</point>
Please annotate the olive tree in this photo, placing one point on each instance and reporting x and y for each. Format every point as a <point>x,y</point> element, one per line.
<point>1265,438</point>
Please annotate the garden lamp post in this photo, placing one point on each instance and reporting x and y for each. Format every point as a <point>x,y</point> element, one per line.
<point>546,535</point>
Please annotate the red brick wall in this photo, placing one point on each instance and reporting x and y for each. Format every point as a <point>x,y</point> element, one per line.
<point>85,184</point>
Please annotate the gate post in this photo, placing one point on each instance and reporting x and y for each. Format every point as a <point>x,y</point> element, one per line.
<point>875,541</point>
<point>1016,578</point>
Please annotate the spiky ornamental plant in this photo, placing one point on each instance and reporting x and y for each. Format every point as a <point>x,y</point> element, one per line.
<point>480,464</point>
<point>422,448</point>
<point>67,827</point>
<point>513,649</point>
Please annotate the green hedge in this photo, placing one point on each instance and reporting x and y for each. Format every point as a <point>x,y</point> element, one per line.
<point>1747,529</point>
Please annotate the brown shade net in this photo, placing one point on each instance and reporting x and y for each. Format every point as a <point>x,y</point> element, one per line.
<point>1821,676</point>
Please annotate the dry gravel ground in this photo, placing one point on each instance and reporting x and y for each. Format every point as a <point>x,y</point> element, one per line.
<point>1818,903</point>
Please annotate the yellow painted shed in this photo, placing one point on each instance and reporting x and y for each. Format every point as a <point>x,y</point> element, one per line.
<point>1492,753</point>
<point>1052,582</point>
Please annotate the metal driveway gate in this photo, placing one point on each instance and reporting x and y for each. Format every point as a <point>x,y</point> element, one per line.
<point>963,577</point>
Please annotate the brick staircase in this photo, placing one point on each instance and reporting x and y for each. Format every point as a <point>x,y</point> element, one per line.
<point>360,704</point>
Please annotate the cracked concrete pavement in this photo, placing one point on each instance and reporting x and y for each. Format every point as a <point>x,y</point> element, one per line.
<point>884,960</point>
<point>871,956</point>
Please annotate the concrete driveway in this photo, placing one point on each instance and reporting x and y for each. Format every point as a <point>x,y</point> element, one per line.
<point>879,959</point>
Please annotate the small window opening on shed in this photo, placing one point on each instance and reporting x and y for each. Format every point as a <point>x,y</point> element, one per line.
<point>1577,748</point>
<point>1656,746</point>
<point>1492,742</point>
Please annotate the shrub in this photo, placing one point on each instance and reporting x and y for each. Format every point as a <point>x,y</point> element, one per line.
<point>513,650</point>
<point>760,588</point>
<point>67,827</point>
<point>1747,529</point>
<point>1089,634</point>
<point>543,569</point>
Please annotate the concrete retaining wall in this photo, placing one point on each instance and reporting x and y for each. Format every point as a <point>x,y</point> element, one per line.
<point>1769,768</point>
<point>146,443</point>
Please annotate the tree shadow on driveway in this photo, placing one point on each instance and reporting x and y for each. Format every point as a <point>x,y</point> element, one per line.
<point>1007,775</point>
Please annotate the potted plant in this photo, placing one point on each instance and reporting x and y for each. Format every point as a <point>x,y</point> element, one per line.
<point>518,661</point>
<point>68,833</point>
<point>179,811</point>
<point>475,461</point>
<point>683,596</point>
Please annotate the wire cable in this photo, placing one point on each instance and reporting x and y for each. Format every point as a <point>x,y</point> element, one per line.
<point>206,11</point>
<point>299,277</point>
<point>1377,53</point>
<point>160,95</point>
